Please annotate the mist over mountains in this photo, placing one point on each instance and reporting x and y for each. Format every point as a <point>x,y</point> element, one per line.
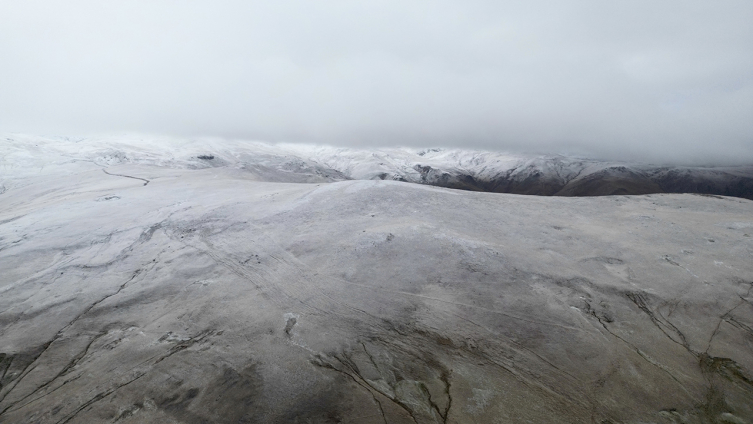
<point>341,212</point>
<point>543,175</point>
<point>644,81</point>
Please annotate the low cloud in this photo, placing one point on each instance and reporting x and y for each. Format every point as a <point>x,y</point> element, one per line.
<point>646,80</point>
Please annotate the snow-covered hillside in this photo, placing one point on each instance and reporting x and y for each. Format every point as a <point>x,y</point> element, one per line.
<point>171,281</point>
<point>453,168</point>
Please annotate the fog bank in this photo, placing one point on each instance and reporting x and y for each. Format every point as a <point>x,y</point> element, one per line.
<point>669,81</point>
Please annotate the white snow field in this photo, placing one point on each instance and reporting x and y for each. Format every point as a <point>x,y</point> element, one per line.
<point>265,283</point>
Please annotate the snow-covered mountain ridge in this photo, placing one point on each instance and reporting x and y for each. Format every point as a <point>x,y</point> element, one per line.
<point>549,175</point>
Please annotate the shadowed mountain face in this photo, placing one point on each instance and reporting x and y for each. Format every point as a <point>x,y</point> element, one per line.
<point>545,177</point>
<point>151,286</point>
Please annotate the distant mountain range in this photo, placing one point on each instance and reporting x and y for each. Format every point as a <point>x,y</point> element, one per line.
<point>543,175</point>
<point>540,175</point>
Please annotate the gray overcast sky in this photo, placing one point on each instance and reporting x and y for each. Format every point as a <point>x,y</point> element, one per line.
<point>660,80</point>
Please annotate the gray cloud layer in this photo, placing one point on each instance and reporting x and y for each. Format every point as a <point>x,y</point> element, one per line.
<point>667,80</point>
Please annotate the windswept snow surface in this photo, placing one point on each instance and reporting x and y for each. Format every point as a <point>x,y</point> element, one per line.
<point>172,281</point>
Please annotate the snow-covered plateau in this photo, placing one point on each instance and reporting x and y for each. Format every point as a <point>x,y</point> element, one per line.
<point>155,280</point>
